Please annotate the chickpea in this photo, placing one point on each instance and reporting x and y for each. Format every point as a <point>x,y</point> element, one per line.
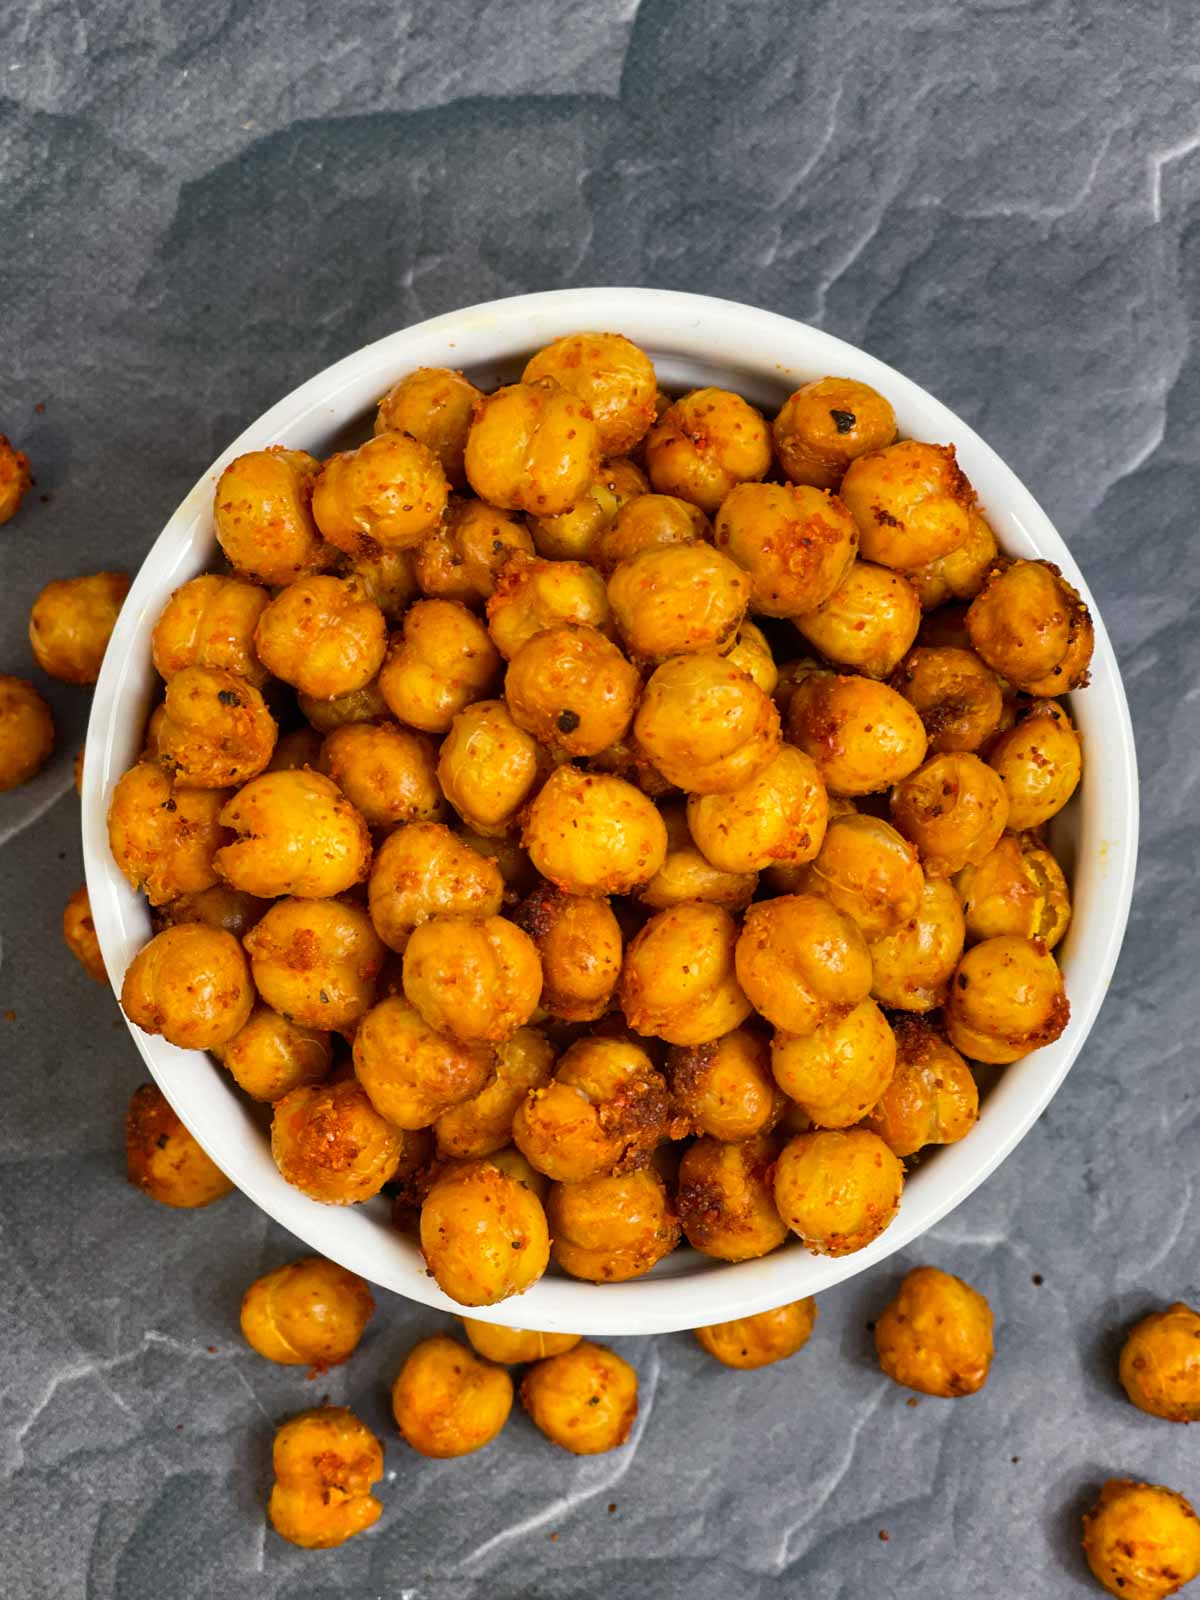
<point>572,688</point>
<point>827,424</point>
<point>309,1313</point>
<point>270,1055</point>
<point>911,501</point>
<point>611,376</point>
<point>331,1144</point>
<point>513,1347</point>
<point>218,906</point>
<point>779,816</point>
<point>483,1124</point>
<point>869,872</point>
<point>191,984</point>
<point>913,965</point>
<point>936,1335</point>
<point>323,635</point>
<point>676,599</point>
<point>386,772</point>
<point>748,1343</point>
<point>315,961</point>
<point>295,833</point>
<point>578,940</point>
<point>510,1160</point>
<point>15,479</point>
<point>868,623</point>
<point>437,665</point>
<point>687,875</point>
<point>410,1072</point>
<point>475,978</point>
<point>625,478</point>
<point>26,731</point>
<point>210,622</point>
<point>483,1234</point>
<point>647,522</point>
<point>604,1112</point>
<point>1160,1364</point>
<point>446,1401</point>
<point>953,809</point>
<point>342,710</point>
<point>572,534</point>
<point>388,578</point>
<point>795,542</point>
<point>262,512</point>
<point>1141,1541</point>
<point>216,730</point>
<point>1030,626</point>
<point>932,1098</point>
<point>1040,763</point>
<point>1005,1000</point>
<point>724,1088</point>
<point>79,934</point>
<point>70,624</point>
<point>423,870</point>
<point>839,1072</point>
<point>609,1230</point>
<point>325,1463</point>
<point>593,834</point>
<point>584,1399</point>
<point>800,960</point>
<point>862,735</point>
<point>389,492</point>
<point>837,1189</point>
<point>1017,888</point>
<point>433,405</point>
<point>162,1158</point>
<point>164,838</point>
<point>751,654</point>
<point>488,767</point>
<point>961,574</point>
<point>532,594</point>
<point>461,559</point>
<point>957,697</point>
<point>532,447</point>
<point>678,982</point>
<point>705,444</point>
<point>706,726</point>
<point>725,1200</point>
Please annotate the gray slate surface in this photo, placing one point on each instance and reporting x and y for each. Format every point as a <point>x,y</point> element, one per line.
<point>199,206</point>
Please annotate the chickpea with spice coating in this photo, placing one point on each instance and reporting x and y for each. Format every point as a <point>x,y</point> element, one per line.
<point>79,934</point>
<point>15,479</point>
<point>270,1055</point>
<point>513,1347</point>
<point>706,443</point>
<point>483,1234</point>
<point>424,870</point>
<point>578,940</point>
<point>164,838</point>
<point>70,624</point>
<point>216,731</point>
<point>590,833</point>
<point>532,447</point>
<point>953,809</point>
<point>800,960</point>
<point>322,635</point>
<point>867,623</point>
<point>210,622</point>
<point>584,1399</point>
<point>677,599</point>
<point>604,1111</point>
<point>391,492</point>
<point>748,1343</point>
<point>932,1097</point>
<point>488,767</point>
<point>330,1143</point>
<point>795,542</point>
<point>1160,1364</point>
<point>1017,888</point>
<point>961,574</point>
<point>262,513</point>
<point>1141,1541</point>
<point>725,1200</point>
<point>862,735</point>
<point>447,1402</point>
<point>688,875</point>
<point>26,732</point>
<point>572,534</point>
<point>434,406</point>
<point>476,978</point>
<point>957,696</point>
<point>613,378</point>
<point>295,833</point>
<point>308,1313</point>
<point>1006,999</point>
<point>386,772</point>
<point>611,1229</point>
<point>936,1335</point>
<point>572,689</point>
<point>325,1463</point>
<point>707,727</point>
<point>751,654</point>
<point>315,961</point>
<point>868,871</point>
<point>837,1073</point>
<point>439,663</point>
<point>825,425</point>
<point>723,1088</point>
<point>911,501</point>
<point>678,982</point>
<point>482,1124</point>
<point>1031,626</point>
<point>191,984</point>
<point>388,578</point>
<point>647,522</point>
<point>532,594</point>
<point>838,1190</point>
<point>912,966</point>
<point>1040,763</point>
<point>412,1073</point>
<point>461,559</point>
<point>163,1160</point>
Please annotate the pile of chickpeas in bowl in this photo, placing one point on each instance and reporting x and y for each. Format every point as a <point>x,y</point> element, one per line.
<point>606,820</point>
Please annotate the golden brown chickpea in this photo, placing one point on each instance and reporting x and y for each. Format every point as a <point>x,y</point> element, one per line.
<point>778,817</point>
<point>439,663</point>
<point>604,1112</point>
<point>475,978</point>
<point>15,480</point>
<point>79,932</point>
<point>863,736</point>
<point>676,599</point>
<point>584,1399</point>
<point>961,574</point>
<point>609,1230</point>
<point>1160,1364</point>
<point>433,405</point>
<point>483,1124</point>
<point>316,961</point>
<point>572,688</point>
<point>724,1088</point>
<point>219,907</point>
<point>837,1189</point>
<point>913,966</point>
<point>331,1144</point>
<point>270,1055</point>
<point>532,447</point>
<point>1040,763</point>
<point>294,833</point>
<point>593,834</point>
<point>869,872</point>
<point>216,731</point>
<point>686,875</point>
<point>162,1158</point>
<point>309,1313</point>
<point>936,1335</point>
<point>423,870</point>
<point>1141,1541</point>
<point>446,1401</point>
<point>957,696</point>
<point>488,767</point>
<point>325,1462</point>
<point>532,594</point>
<point>461,559</point>
<point>751,654</point>
<point>386,772</point>
<point>827,424</point>
<point>932,1098</point>
<point>262,512</point>
<point>707,727</point>
<point>1030,626</point>
<point>388,578</point>
<point>1006,999</point>
<point>911,501</point>
<point>391,492</point>
<point>867,623</point>
<point>513,1347</point>
<point>839,1072</point>
<point>164,838</point>
<point>572,534</point>
<point>678,982</point>
<point>26,731</point>
<point>70,624</point>
<point>210,622</point>
<point>578,940</point>
<point>800,960</point>
<point>1017,888</point>
<point>511,862</point>
<point>343,710</point>
<point>323,635</point>
<point>510,1160</point>
<point>796,543</point>
<point>748,1343</point>
<point>191,984</point>
<point>483,1234</point>
<point>953,809</point>
<point>611,376</point>
<point>705,444</point>
<point>647,522</point>
<point>725,1200</point>
<point>411,1072</point>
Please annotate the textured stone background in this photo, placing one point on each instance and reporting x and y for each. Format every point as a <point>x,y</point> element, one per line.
<point>199,206</point>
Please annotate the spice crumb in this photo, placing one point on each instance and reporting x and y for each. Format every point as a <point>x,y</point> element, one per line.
<point>884,1535</point>
<point>1015,1459</point>
<point>912,1403</point>
<point>10,1016</point>
<point>1038,1280</point>
<point>553,1538</point>
<point>40,407</point>
<point>612,1507</point>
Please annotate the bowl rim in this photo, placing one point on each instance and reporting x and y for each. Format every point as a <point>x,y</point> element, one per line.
<point>699,332</point>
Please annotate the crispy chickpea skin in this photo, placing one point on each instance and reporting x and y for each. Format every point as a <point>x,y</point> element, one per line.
<point>79,934</point>
<point>163,1160</point>
<point>611,376</point>
<point>325,1463</point>
<point>867,623</point>
<point>1005,1000</point>
<point>26,731</point>
<point>440,662</point>
<point>388,578</point>
<point>216,730</point>
<point>571,535</point>
<point>585,1399</point>
<point>483,1234</point>
<point>911,501</point>
<point>578,940</point>
<point>1040,763</point>
<point>688,875</point>
<point>953,809</point>
<point>608,1230</point>
<point>862,735</point>
<point>932,1098</point>
<point>424,870</point>
<point>1017,888</point>
<point>1030,626</point>
<point>210,622</point>
<point>604,1111</point>
<point>309,1313</point>
<point>707,727</point>
<point>1141,1541</point>
<point>837,1189</point>
<point>219,906</point>
<point>532,447</point>
<point>676,599</point>
<point>801,960</point>
<point>936,1335</point>
<point>825,425</point>
<point>748,1343</point>
<point>70,624</point>
<point>868,871</point>
<point>839,1072</point>
<point>262,512</point>
<point>1160,1364</point>
<point>956,695</point>
<point>270,1055</point>
<point>961,574</point>
<point>331,1144</point>
<point>489,766</point>
<point>315,961</point>
<point>411,1072</point>
<point>461,559</point>
<point>433,405</point>
<point>725,1199</point>
<point>913,965</point>
<point>164,838</point>
<point>795,542</point>
<point>191,984</point>
<point>532,594</point>
<point>591,833</point>
<point>386,772</point>
<point>446,1401</point>
<point>678,982</point>
<point>513,1347</point>
<point>647,522</point>
<point>572,689</point>
<point>342,710</point>
<point>15,479</point>
<point>294,833</point>
<point>723,1088</point>
<point>322,635</point>
<point>391,491</point>
<point>483,1124</point>
<point>705,444</point>
<point>476,978</point>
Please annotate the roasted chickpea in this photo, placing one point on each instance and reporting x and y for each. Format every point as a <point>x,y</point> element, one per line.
<point>439,663</point>
<point>343,710</point>
<point>869,872</point>
<point>412,1073</point>
<point>162,1158</point>
<point>423,870</point>
<point>475,978</point>
<point>676,599</point>
<point>323,635</point>
<point>936,1335</point>
<point>801,960</point>
<point>678,982</point>
<point>945,628</point>
<point>593,834</point>
<point>387,773</point>
<point>647,522</point>
<point>839,1072</point>
<point>1160,1364</point>
<point>331,1144</point>
<point>611,376</point>
<point>1141,1541</point>
<point>219,906</point>
<point>862,735</point>
<point>707,727</point>
<point>953,809</point>
<point>164,838</point>
<point>433,405</point>
<point>747,1343</point>
<point>625,478</point>
<point>609,1230</point>
<point>391,492</point>
<point>210,622</point>
<point>578,940</point>
<point>706,443</point>
<point>572,534</point>
<point>687,875</point>
<point>315,961</point>
<point>26,731</point>
<point>461,559</point>
<point>216,730</point>
<point>961,574</point>
<point>572,688</point>
<point>827,424</point>
<point>15,479</point>
<point>70,624</point>
<point>751,654</point>
<point>1005,1000</point>
<point>483,1124</point>
<point>1030,626</point>
<point>270,1055</point>
<point>913,965</point>
<point>295,833</point>
<point>911,501</point>
<point>867,623</point>
<point>1040,763</point>
<point>309,1313</point>
<point>325,1463</point>
<point>262,512</point>
<point>483,1234</point>
<point>795,542</point>
<point>932,1097</point>
<point>532,447</point>
<point>513,1347</point>
<point>724,1088</point>
<point>584,1399</point>
<point>604,1112</point>
<point>837,1189</point>
<point>725,1201</point>
<point>79,934</point>
<point>388,578</point>
<point>510,860</point>
<point>191,984</point>
<point>446,1401</point>
<point>957,696</point>
<point>489,766</point>
<point>1017,888</point>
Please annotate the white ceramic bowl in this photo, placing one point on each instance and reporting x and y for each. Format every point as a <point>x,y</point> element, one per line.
<point>692,340</point>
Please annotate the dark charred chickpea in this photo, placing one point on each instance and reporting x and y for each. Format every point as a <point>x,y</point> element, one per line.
<point>331,1144</point>
<point>585,1399</point>
<point>191,984</point>
<point>867,623</point>
<point>433,405</point>
<point>932,1097</point>
<point>26,732</point>
<point>800,960</point>
<point>483,1234</point>
<point>162,1158</point>
<point>936,1335</point>
<point>424,870</point>
<point>611,1229</point>
<point>572,689</point>
<point>748,1343</point>
<point>590,833</point>
<point>532,447</point>
<point>262,512</point>
<point>725,1199</point>
<point>79,934</point>
<point>532,594</point>
<point>447,1402</point>
<point>390,492</point>
<point>795,542</point>
<point>216,730</point>
<point>579,942</point>
<point>308,1313</point>
<point>163,837</point>
<point>911,501</point>
<point>825,425</point>
<point>862,735</point>
<point>611,376</point>
<point>707,727</point>
<point>837,1190</point>
<point>441,661</point>
<point>270,1055</point>
<point>294,833</point>
<point>315,961</point>
<point>705,444</point>
<point>678,982</point>
<point>70,624</point>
